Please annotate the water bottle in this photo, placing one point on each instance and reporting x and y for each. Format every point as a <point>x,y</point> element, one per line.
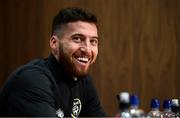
<point>167,113</point>
<point>175,108</point>
<point>134,107</point>
<point>155,113</point>
<point>124,104</point>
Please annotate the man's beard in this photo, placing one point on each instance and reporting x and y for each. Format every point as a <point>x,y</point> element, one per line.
<point>68,65</point>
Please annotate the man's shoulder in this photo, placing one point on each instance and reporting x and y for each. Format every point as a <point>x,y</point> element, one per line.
<point>35,65</point>
<point>28,77</point>
<point>34,71</point>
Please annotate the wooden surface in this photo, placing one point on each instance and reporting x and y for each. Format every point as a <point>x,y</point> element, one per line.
<point>139,49</point>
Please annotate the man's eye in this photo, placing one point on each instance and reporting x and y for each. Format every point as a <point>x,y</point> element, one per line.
<point>94,42</point>
<point>76,39</point>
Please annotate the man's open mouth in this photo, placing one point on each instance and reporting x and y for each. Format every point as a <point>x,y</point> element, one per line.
<point>82,59</point>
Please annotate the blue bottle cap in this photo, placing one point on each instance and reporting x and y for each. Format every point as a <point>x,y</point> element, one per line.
<point>155,103</point>
<point>167,104</point>
<point>134,100</point>
<point>124,97</point>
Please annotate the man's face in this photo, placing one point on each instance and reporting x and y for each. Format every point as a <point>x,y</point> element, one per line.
<point>77,47</point>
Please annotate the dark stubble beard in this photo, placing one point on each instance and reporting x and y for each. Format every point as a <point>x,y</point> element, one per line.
<point>68,66</point>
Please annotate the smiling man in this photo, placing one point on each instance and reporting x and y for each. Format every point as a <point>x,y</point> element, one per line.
<point>59,85</point>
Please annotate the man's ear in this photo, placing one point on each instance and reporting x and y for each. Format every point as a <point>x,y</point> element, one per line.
<point>53,43</point>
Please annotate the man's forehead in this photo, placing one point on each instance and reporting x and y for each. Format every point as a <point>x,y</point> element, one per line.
<point>83,28</point>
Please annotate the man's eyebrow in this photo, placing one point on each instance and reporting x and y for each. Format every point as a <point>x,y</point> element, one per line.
<point>81,35</point>
<point>77,34</point>
<point>95,37</point>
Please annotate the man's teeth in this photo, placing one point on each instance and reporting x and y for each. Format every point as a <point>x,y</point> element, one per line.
<point>83,59</point>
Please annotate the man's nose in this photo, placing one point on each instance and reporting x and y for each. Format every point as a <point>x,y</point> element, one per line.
<point>86,47</point>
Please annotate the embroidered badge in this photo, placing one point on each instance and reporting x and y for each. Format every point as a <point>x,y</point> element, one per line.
<point>76,109</point>
<point>60,113</point>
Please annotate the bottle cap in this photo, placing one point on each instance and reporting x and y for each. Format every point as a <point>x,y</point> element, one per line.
<point>175,102</point>
<point>155,103</point>
<point>167,104</point>
<point>134,100</point>
<point>124,97</point>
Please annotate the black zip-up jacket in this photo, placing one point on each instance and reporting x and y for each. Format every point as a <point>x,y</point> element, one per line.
<point>41,88</point>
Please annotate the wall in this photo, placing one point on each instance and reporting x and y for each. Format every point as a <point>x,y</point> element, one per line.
<point>139,44</point>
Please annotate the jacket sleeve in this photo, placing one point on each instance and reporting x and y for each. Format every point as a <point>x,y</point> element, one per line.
<point>92,106</point>
<point>31,95</point>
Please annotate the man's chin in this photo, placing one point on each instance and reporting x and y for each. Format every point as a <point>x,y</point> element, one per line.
<point>81,74</point>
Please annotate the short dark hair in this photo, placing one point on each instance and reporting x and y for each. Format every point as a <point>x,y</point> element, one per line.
<point>72,15</point>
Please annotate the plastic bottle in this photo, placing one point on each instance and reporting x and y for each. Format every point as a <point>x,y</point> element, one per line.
<point>134,107</point>
<point>175,108</point>
<point>155,113</point>
<point>167,113</point>
<point>124,104</point>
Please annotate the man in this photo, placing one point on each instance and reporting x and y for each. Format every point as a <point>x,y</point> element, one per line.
<point>59,85</point>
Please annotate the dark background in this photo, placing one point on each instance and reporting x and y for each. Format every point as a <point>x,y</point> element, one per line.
<point>139,49</point>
